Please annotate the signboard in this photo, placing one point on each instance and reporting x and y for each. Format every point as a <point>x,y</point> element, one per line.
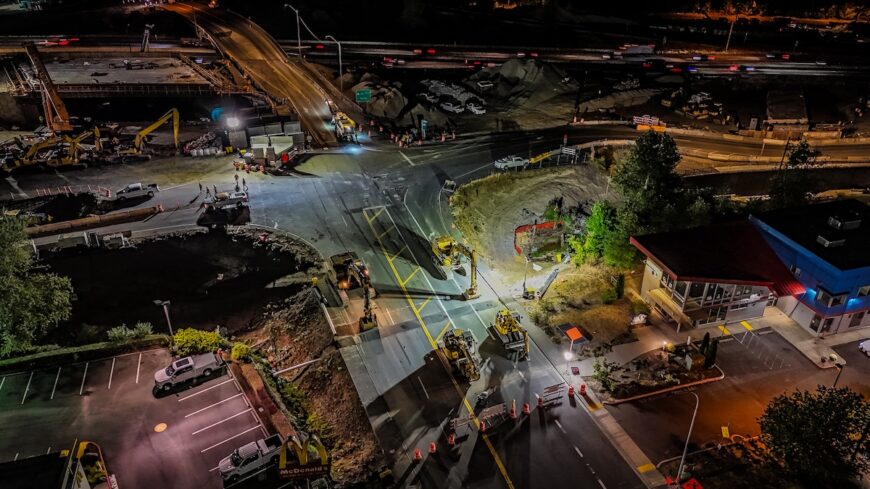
<point>540,157</point>
<point>568,150</point>
<point>303,459</point>
<point>726,433</point>
<point>363,95</point>
<point>646,120</point>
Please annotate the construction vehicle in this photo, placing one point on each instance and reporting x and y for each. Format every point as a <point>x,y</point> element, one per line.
<point>139,142</point>
<point>448,254</point>
<point>75,151</point>
<point>458,347</point>
<point>507,329</point>
<point>350,273</point>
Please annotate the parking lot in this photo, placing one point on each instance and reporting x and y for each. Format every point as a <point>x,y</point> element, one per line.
<point>148,442</point>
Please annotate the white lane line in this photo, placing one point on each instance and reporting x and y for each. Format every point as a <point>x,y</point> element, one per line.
<point>49,450</point>
<point>228,439</point>
<point>212,405</point>
<point>578,452</point>
<point>221,421</point>
<point>204,390</point>
<point>16,457</point>
<point>2,381</point>
<point>406,158</point>
<point>55,383</point>
<point>26,388</point>
<point>138,366</point>
<point>601,483</point>
<point>111,373</point>
<point>423,386</point>
<point>84,376</point>
<point>560,427</point>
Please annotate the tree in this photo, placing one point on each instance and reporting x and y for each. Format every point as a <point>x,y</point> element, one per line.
<point>818,435</point>
<point>791,185</point>
<point>32,301</point>
<point>600,224</point>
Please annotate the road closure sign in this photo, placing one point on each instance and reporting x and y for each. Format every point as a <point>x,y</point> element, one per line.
<point>363,95</point>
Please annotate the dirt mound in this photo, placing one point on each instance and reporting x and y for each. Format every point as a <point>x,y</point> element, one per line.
<point>488,210</point>
<point>387,100</point>
<point>526,82</point>
<point>294,330</point>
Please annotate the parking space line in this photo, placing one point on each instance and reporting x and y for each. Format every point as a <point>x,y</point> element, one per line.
<point>55,383</point>
<point>204,390</point>
<point>228,439</point>
<point>212,405</point>
<point>27,388</point>
<point>221,421</point>
<point>84,376</point>
<point>138,366</point>
<point>111,373</point>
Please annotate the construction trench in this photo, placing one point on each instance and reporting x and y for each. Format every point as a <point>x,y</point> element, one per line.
<point>254,286</point>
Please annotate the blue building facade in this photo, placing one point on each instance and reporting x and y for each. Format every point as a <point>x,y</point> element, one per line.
<point>827,248</point>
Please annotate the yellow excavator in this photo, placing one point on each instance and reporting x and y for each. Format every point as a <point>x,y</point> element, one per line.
<point>448,253</point>
<point>74,148</point>
<point>351,272</point>
<point>139,143</point>
<point>507,329</point>
<point>458,348</point>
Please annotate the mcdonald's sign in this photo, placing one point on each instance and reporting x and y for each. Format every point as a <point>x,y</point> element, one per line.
<point>303,459</point>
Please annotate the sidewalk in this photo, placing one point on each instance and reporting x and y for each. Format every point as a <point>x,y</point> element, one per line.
<point>648,338</point>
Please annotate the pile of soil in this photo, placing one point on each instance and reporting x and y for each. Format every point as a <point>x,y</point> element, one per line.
<point>210,278</point>
<point>488,210</point>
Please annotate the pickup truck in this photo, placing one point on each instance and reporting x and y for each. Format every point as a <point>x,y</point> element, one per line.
<point>250,458</point>
<point>185,369</point>
<point>509,162</point>
<point>224,200</point>
<point>135,190</point>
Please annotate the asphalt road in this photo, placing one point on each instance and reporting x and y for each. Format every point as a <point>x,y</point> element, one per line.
<point>110,402</point>
<point>260,57</point>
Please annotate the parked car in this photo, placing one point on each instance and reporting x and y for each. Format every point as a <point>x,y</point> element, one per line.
<point>187,368</point>
<point>135,190</point>
<point>451,107</point>
<point>509,162</point>
<point>475,108</point>
<point>864,346</point>
<point>250,458</point>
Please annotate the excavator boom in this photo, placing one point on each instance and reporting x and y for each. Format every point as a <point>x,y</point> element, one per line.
<point>139,143</point>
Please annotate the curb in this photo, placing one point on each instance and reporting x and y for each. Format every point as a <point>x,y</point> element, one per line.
<point>668,389</point>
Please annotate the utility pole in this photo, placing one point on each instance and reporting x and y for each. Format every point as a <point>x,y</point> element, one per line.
<point>688,437</point>
<point>340,80</point>
<point>731,30</point>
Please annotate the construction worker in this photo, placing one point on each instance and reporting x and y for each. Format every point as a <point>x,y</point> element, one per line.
<point>215,190</point>
<point>200,187</point>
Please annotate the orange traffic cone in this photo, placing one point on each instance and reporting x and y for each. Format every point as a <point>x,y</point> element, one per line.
<point>526,409</point>
<point>432,447</point>
<point>514,410</point>
<point>540,401</point>
<point>582,389</point>
<point>482,426</point>
<point>451,439</point>
<point>570,391</point>
<point>418,455</point>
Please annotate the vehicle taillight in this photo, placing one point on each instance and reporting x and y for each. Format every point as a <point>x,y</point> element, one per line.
<point>733,68</point>
<point>430,51</point>
<point>319,46</point>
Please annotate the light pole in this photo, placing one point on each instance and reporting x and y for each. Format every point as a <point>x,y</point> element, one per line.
<point>340,80</point>
<point>840,368</point>
<point>165,305</point>
<point>688,437</point>
<point>298,31</point>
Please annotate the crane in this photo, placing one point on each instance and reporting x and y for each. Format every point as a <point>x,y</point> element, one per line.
<point>350,272</point>
<point>507,329</point>
<point>448,253</point>
<point>139,142</point>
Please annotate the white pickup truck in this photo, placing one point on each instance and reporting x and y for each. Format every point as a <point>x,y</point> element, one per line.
<point>250,458</point>
<point>185,369</point>
<point>509,162</point>
<point>135,190</point>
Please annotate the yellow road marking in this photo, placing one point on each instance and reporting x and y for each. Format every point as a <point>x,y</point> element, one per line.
<point>501,467</point>
<point>370,219</point>
<point>423,305</point>
<point>392,226</point>
<point>443,330</point>
<point>724,330</point>
<point>746,325</point>
<point>411,276</point>
<point>646,468</point>
<point>399,252</point>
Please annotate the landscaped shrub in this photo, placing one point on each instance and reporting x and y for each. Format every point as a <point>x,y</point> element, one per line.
<point>189,341</point>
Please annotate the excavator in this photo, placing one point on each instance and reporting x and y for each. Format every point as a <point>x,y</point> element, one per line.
<point>139,143</point>
<point>507,329</point>
<point>448,253</point>
<point>351,272</point>
<point>458,348</point>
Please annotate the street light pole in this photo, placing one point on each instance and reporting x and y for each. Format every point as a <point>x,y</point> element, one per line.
<point>688,437</point>
<point>840,368</point>
<point>298,31</point>
<point>165,305</point>
<point>340,79</point>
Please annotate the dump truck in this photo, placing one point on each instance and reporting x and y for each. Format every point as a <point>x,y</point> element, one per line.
<point>250,458</point>
<point>458,347</point>
<point>507,330</point>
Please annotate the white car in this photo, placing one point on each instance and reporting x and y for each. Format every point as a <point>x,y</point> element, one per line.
<point>864,346</point>
<point>509,162</point>
<point>475,108</point>
<point>451,107</point>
